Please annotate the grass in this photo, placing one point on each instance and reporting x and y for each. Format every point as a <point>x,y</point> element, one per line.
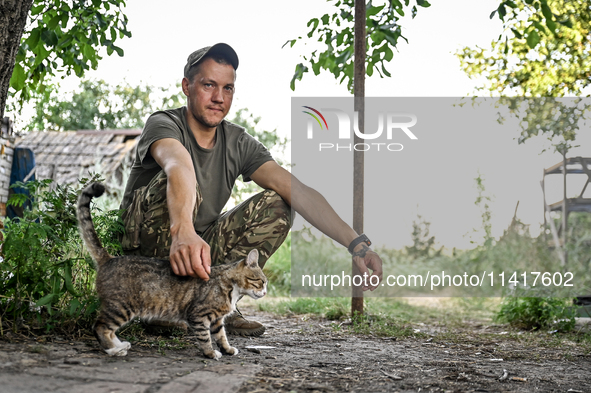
<point>449,320</point>
<point>278,270</point>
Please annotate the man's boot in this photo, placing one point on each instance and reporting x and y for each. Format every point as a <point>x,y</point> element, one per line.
<point>236,324</point>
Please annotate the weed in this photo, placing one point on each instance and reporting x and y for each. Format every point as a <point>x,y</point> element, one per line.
<point>538,313</point>
<point>330,308</point>
<point>278,270</point>
<point>380,325</point>
<point>46,277</point>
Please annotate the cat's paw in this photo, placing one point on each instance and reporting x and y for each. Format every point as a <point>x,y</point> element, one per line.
<point>228,350</point>
<point>215,355</point>
<point>117,351</point>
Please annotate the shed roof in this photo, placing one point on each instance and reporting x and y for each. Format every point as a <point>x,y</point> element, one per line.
<point>69,155</point>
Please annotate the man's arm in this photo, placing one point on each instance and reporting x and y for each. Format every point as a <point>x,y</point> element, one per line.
<point>317,211</point>
<point>189,253</point>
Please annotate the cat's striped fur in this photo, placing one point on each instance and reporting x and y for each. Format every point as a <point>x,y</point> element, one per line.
<point>133,286</point>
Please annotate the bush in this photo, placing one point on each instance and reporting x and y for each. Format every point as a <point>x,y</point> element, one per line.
<point>46,277</point>
<point>538,313</point>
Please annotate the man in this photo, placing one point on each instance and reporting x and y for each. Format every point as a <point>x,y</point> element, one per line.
<point>186,164</point>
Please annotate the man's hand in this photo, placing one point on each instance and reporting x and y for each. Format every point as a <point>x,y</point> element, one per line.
<point>190,254</point>
<point>365,258</point>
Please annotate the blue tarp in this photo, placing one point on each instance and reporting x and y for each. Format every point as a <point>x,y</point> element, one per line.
<point>23,162</point>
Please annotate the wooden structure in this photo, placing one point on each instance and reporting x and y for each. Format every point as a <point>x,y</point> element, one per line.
<point>6,153</point>
<point>67,156</point>
<point>358,159</point>
<point>580,203</point>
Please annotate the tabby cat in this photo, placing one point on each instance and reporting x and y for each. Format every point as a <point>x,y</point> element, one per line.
<point>134,286</point>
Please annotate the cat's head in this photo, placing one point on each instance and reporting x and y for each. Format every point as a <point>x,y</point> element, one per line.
<point>252,280</point>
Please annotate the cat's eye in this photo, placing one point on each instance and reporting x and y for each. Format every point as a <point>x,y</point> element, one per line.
<point>255,281</point>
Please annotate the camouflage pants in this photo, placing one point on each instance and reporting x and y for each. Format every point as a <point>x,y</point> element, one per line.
<point>260,222</point>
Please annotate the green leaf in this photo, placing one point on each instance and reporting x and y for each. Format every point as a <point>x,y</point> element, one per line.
<point>533,38</point>
<point>37,9</point>
<point>423,3</point>
<point>385,71</point>
<point>502,11</point>
<point>52,24</point>
<point>299,72</point>
<point>546,11</point>
<point>371,11</point>
<point>74,306</point>
<point>88,51</point>
<point>539,26</point>
<point>315,23</point>
<point>290,42</point>
<point>47,299</point>
<point>510,4</point>
<point>49,37</point>
<point>567,22</point>
<point>517,33</point>
<point>33,39</point>
<point>388,53</point>
<point>68,279</point>
<point>17,81</point>
<point>118,50</point>
<point>65,19</point>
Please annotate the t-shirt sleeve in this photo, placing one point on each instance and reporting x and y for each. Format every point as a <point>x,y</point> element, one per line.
<point>253,154</point>
<point>158,126</point>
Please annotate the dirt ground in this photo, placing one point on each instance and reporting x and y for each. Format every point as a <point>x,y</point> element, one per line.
<point>301,354</point>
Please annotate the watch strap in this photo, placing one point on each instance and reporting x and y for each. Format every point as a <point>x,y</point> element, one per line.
<point>360,239</point>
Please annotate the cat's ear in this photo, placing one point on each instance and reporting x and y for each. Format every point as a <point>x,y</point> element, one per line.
<point>252,259</point>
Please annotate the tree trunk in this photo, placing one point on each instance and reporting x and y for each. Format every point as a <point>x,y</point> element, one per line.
<point>13,18</point>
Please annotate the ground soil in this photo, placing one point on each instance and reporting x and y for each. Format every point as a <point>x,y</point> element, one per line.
<point>303,354</point>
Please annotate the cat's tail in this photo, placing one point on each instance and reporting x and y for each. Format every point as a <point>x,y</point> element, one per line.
<point>86,227</point>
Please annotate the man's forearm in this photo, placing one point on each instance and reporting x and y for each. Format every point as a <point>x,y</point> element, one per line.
<point>317,211</point>
<point>181,197</point>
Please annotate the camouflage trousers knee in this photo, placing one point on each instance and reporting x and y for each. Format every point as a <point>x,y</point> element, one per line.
<point>262,222</point>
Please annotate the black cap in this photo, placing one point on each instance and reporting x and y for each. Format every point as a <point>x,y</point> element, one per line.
<point>224,49</point>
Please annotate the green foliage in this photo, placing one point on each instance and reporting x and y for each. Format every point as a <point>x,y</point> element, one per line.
<point>423,245</point>
<point>538,313</point>
<point>278,270</point>
<point>273,142</point>
<point>556,119</point>
<point>46,278</point>
<point>483,201</point>
<point>336,31</point>
<point>543,51</point>
<point>330,308</point>
<point>99,105</point>
<point>65,36</point>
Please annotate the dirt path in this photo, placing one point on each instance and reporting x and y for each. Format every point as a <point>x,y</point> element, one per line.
<point>303,356</point>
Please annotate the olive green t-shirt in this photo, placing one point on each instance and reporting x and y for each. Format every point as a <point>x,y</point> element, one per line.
<point>235,153</point>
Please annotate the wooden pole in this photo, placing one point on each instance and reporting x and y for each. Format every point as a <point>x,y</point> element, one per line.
<point>564,210</point>
<point>358,167</point>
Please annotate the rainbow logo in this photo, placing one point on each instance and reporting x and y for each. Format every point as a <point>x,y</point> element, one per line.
<point>314,116</point>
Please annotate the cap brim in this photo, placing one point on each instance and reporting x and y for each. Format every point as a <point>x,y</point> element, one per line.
<point>225,50</point>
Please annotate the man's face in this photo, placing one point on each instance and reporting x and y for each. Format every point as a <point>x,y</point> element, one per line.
<point>210,93</point>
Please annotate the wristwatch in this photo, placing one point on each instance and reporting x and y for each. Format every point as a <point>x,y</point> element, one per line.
<point>360,239</point>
